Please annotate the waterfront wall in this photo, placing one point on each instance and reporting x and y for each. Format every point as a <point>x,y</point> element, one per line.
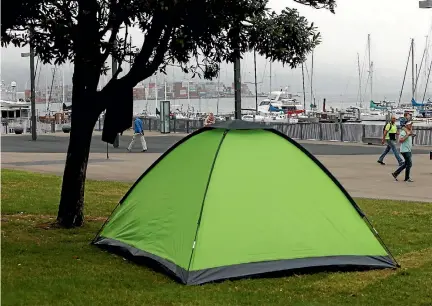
<point>345,132</point>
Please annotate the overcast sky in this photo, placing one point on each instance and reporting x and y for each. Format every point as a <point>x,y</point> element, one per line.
<point>391,23</point>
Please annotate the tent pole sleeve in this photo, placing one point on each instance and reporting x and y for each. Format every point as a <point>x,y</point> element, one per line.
<point>205,195</point>
<point>375,232</point>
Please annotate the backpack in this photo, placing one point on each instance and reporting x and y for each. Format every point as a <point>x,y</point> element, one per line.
<point>384,127</point>
<point>392,136</point>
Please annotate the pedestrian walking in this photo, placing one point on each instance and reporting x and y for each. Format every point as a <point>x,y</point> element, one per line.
<point>406,136</point>
<point>404,119</point>
<point>138,131</point>
<point>389,137</point>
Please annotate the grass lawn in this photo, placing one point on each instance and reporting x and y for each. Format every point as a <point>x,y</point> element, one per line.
<point>60,267</point>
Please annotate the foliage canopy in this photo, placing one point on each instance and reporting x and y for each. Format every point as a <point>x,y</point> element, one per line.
<point>197,35</point>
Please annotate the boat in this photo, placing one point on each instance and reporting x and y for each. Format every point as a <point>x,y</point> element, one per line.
<point>14,114</point>
<point>15,109</point>
<point>373,115</point>
<point>270,117</point>
<point>279,101</point>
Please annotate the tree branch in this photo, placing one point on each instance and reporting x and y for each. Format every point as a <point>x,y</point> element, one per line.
<point>150,40</point>
<point>111,19</point>
<point>160,52</point>
<point>319,4</point>
<point>110,44</point>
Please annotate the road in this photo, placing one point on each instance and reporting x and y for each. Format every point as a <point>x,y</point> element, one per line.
<point>158,143</point>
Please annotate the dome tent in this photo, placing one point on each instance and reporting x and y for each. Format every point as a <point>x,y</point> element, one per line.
<point>239,199</point>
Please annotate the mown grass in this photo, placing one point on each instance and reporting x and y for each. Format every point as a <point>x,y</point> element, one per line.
<point>60,267</point>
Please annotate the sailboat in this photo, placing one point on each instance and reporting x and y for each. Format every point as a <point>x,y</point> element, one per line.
<point>375,111</point>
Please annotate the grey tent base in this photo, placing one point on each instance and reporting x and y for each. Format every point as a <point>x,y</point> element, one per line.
<point>349,262</point>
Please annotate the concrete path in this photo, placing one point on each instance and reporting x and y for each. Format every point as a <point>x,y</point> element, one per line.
<point>359,174</point>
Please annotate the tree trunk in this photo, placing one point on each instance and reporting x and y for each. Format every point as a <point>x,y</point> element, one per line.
<point>86,108</point>
<point>70,213</point>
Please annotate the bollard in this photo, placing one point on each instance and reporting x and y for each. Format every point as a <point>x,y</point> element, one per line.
<point>430,155</point>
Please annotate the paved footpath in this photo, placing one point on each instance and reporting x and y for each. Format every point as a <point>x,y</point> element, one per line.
<point>359,174</point>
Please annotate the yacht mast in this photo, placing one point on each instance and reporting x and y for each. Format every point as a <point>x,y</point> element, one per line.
<point>63,85</point>
<point>311,79</point>
<point>188,95</point>
<point>270,76</point>
<point>46,92</point>
<point>147,91</point>
<point>427,83</point>
<point>304,90</point>
<point>165,88</point>
<point>426,58</point>
<point>370,68</point>
<point>256,84</point>
<point>359,73</point>
<point>406,69</point>
<point>218,93</point>
<point>156,93</point>
<point>413,69</point>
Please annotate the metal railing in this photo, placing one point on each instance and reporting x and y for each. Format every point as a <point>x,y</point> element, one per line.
<point>342,132</point>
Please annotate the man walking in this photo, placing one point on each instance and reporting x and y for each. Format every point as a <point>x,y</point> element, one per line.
<point>405,149</point>
<point>389,137</point>
<point>138,130</point>
<point>404,119</point>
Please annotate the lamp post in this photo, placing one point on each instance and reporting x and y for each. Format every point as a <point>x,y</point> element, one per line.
<point>424,4</point>
<point>32,85</point>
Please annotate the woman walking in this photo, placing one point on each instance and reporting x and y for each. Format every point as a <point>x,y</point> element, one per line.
<point>405,138</point>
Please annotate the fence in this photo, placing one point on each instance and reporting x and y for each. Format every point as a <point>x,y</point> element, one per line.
<point>9,126</point>
<point>345,132</point>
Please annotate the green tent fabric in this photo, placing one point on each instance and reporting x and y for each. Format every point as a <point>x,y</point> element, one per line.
<point>239,199</point>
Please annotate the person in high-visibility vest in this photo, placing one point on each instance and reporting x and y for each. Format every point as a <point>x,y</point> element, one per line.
<point>390,133</point>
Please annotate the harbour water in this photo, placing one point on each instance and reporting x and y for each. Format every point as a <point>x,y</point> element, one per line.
<point>226,105</point>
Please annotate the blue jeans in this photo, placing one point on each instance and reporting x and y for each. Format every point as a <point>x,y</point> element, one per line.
<point>391,145</point>
<point>407,165</point>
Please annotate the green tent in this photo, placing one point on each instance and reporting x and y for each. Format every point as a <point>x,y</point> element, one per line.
<point>239,199</point>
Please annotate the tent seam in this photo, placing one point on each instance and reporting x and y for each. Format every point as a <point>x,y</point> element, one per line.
<point>204,198</point>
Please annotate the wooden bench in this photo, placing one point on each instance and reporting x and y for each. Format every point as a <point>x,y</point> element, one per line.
<point>372,140</point>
